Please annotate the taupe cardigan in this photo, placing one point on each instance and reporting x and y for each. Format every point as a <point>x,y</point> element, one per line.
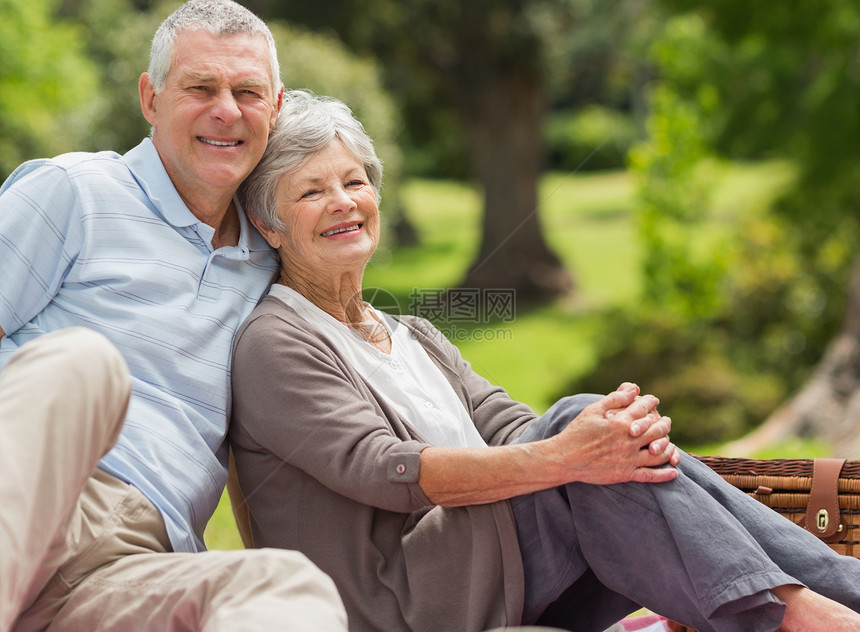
<point>329,469</point>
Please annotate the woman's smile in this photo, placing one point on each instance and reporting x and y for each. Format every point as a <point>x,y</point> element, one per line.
<point>344,230</point>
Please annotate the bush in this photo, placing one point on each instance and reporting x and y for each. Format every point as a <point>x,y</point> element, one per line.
<point>589,139</point>
<point>721,374</point>
<point>688,367</point>
<point>46,81</point>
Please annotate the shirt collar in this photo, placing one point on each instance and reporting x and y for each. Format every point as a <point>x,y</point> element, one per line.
<point>145,163</point>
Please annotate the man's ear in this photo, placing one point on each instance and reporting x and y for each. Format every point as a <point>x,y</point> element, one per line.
<point>147,98</point>
<point>280,102</point>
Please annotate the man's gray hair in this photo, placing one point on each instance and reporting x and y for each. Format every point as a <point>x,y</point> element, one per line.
<point>217,17</point>
<point>307,124</point>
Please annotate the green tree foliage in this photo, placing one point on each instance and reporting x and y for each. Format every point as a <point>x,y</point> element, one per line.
<point>770,269</point>
<point>787,77</point>
<point>321,63</point>
<point>46,83</point>
<point>490,65</point>
<point>73,84</point>
<point>681,267</point>
<point>739,305</point>
<point>790,89</point>
<point>118,40</point>
<point>589,138</point>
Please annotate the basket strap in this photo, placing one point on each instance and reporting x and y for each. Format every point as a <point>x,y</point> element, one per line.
<point>822,513</point>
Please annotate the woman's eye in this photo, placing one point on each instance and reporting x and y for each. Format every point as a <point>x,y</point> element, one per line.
<point>310,194</point>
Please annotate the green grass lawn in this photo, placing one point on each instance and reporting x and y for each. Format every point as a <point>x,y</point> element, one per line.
<point>589,221</point>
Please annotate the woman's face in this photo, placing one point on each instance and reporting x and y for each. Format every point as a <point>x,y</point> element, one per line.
<point>330,213</point>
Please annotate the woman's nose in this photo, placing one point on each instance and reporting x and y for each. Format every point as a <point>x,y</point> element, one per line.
<point>341,201</point>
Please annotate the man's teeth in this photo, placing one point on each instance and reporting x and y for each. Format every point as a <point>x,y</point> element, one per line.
<point>219,143</point>
<point>335,231</point>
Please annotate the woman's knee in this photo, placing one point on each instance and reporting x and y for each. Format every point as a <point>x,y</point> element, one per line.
<point>567,408</point>
<point>559,415</point>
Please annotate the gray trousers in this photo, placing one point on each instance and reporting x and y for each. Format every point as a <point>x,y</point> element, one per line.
<point>696,550</point>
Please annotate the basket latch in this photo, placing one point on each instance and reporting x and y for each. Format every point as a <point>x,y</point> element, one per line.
<point>822,513</point>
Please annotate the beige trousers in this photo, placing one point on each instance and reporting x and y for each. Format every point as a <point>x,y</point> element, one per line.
<point>82,551</point>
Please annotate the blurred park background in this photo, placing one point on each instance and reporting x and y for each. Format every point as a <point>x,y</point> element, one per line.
<point>668,189</point>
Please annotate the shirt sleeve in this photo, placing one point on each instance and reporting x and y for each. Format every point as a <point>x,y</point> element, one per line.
<point>295,398</point>
<point>40,237</point>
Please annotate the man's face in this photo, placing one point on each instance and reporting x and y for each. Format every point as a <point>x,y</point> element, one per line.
<point>212,120</point>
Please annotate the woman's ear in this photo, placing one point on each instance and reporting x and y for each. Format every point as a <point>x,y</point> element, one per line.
<point>271,236</point>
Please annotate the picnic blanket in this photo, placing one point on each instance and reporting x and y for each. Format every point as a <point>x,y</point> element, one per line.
<point>644,623</point>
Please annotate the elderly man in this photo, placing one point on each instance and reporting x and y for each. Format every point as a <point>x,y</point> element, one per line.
<point>122,282</point>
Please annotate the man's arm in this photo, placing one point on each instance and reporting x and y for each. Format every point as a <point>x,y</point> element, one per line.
<point>39,237</point>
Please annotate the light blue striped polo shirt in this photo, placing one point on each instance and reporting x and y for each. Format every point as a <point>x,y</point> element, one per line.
<point>104,241</point>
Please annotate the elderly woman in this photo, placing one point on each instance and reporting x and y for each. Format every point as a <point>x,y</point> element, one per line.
<point>437,503</point>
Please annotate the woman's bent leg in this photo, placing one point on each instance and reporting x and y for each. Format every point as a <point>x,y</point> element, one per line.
<point>560,588</point>
<point>795,550</point>
<point>678,547</point>
<point>677,551</point>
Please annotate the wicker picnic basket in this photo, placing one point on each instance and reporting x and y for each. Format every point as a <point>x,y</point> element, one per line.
<point>821,495</point>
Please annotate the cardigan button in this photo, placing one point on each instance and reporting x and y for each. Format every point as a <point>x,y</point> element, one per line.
<point>401,469</point>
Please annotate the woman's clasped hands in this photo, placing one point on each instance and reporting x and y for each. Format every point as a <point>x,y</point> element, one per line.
<point>619,439</point>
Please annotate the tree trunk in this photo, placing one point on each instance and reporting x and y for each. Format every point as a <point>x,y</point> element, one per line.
<point>489,62</point>
<point>827,408</point>
<point>503,124</point>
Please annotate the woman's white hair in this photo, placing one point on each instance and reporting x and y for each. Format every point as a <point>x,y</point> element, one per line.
<point>307,123</point>
<point>217,17</point>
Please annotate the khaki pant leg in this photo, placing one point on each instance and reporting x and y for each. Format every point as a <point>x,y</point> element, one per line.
<point>227,591</point>
<point>63,397</point>
<point>123,576</point>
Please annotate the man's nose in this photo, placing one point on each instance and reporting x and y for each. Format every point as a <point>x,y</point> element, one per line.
<point>225,108</point>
